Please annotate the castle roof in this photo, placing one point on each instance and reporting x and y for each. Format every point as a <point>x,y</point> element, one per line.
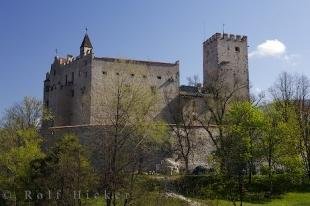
<point>86,42</point>
<point>133,61</point>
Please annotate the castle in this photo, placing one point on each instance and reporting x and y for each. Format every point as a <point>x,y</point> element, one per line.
<point>74,84</point>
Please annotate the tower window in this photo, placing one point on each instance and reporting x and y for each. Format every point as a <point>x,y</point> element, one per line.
<point>54,72</point>
<point>158,77</point>
<point>237,49</point>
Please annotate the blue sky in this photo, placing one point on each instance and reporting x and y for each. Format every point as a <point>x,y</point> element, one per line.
<point>161,30</point>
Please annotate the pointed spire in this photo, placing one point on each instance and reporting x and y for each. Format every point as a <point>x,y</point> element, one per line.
<point>86,42</point>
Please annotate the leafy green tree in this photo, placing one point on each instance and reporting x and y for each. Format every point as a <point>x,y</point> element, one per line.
<point>66,169</point>
<point>238,150</point>
<point>279,144</point>
<point>15,156</point>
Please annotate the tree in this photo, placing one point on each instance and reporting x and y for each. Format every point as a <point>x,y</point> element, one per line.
<point>303,116</point>
<point>244,123</point>
<point>283,93</point>
<point>184,117</point>
<point>193,81</point>
<point>127,112</point>
<point>23,115</point>
<point>291,96</point>
<point>279,142</point>
<point>219,94</point>
<point>67,169</point>
<point>15,157</point>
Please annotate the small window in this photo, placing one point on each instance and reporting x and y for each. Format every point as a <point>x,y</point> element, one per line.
<point>66,79</point>
<point>104,72</point>
<point>72,77</point>
<point>83,90</point>
<point>85,63</point>
<point>144,76</point>
<point>72,93</point>
<point>237,49</point>
<point>54,72</point>
<point>158,77</point>
<point>117,73</point>
<point>132,75</point>
<point>85,74</point>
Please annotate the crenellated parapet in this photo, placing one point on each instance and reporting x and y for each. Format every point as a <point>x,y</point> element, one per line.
<point>225,36</point>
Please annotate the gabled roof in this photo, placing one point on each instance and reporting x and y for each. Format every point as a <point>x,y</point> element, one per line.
<point>86,42</point>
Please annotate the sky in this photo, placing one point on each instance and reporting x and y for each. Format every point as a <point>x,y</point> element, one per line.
<point>159,30</point>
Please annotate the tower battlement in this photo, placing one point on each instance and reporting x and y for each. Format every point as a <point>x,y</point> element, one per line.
<point>225,36</point>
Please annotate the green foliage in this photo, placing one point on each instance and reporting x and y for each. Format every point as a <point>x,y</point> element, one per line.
<point>66,168</point>
<point>279,143</point>
<point>24,147</point>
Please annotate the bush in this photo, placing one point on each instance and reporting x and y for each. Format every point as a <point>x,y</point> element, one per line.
<point>214,186</point>
<point>199,170</point>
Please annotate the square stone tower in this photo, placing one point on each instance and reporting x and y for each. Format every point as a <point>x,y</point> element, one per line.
<point>227,55</point>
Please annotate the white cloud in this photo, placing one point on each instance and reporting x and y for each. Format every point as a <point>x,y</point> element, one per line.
<point>269,48</point>
<point>275,49</point>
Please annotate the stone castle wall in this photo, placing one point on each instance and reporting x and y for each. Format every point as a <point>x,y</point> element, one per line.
<point>74,90</point>
<point>107,73</point>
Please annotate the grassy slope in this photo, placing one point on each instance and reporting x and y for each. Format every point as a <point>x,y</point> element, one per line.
<point>152,199</point>
<point>289,199</point>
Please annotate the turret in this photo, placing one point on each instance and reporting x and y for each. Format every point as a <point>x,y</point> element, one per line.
<point>86,46</point>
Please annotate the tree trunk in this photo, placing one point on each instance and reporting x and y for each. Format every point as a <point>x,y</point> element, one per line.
<point>250,173</point>
<point>186,165</point>
<point>269,170</point>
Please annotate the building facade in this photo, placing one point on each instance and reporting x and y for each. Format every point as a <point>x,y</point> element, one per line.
<point>74,86</point>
